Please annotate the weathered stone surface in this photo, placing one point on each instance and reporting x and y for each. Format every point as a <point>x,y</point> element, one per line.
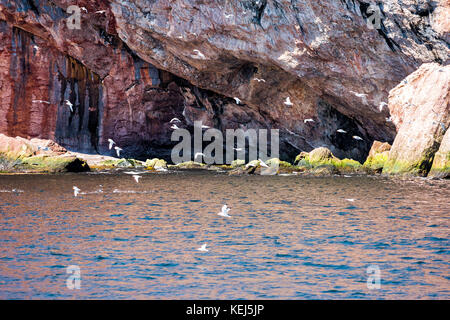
<point>321,54</point>
<point>378,156</point>
<point>441,163</point>
<point>420,108</point>
<point>321,161</point>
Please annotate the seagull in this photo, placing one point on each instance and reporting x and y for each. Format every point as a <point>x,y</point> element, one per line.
<point>359,95</point>
<point>262,163</point>
<point>199,54</point>
<point>100,11</point>
<point>133,173</point>
<point>224,212</point>
<point>36,47</point>
<point>341,131</point>
<point>118,150</point>
<point>198,154</point>
<point>259,80</point>
<point>203,248</point>
<point>308,120</point>
<point>76,191</point>
<point>205,127</point>
<point>136,177</point>
<point>238,101</point>
<point>40,101</point>
<point>111,143</point>
<point>174,127</point>
<point>83,8</point>
<point>382,106</point>
<point>357,138</point>
<point>351,200</point>
<point>174,120</point>
<point>69,104</point>
<point>288,102</point>
<point>389,119</point>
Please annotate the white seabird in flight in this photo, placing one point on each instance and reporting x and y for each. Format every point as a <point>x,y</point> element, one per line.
<point>288,102</point>
<point>224,212</point>
<point>203,248</point>
<point>118,150</point>
<point>111,143</point>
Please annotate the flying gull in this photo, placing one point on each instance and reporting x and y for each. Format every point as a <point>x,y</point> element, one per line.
<point>224,212</point>
<point>203,248</point>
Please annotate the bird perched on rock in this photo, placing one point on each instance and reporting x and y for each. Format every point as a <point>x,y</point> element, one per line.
<point>341,131</point>
<point>238,101</point>
<point>308,120</point>
<point>357,138</point>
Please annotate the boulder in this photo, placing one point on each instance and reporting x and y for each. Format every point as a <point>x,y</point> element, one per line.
<point>441,163</point>
<point>420,109</point>
<point>378,156</point>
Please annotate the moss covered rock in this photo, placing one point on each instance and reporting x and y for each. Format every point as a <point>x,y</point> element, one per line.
<point>377,157</point>
<point>441,163</point>
<point>156,163</point>
<point>188,165</point>
<point>322,161</point>
<point>237,163</point>
<point>121,163</point>
<point>54,164</point>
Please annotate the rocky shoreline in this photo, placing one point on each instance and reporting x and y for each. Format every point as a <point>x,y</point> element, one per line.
<point>314,70</point>
<point>22,156</point>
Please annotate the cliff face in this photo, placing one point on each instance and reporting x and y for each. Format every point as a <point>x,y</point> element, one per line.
<point>134,65</point>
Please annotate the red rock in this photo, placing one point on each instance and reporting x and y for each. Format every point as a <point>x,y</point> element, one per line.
<point>420,108</point>
<point>320,54</point>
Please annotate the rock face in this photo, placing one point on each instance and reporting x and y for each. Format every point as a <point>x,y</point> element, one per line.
<point>420,108</point>
<point>134,65</point>
<point>441,163</point>
<point>378,155</point>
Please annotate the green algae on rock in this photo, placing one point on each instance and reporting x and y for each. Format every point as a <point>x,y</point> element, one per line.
<point>377,157</point>
<point>441,162</point>
<point>322,161</point>
<point>188,165</point>
<point>121,163</point>
<point>156,163</point>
